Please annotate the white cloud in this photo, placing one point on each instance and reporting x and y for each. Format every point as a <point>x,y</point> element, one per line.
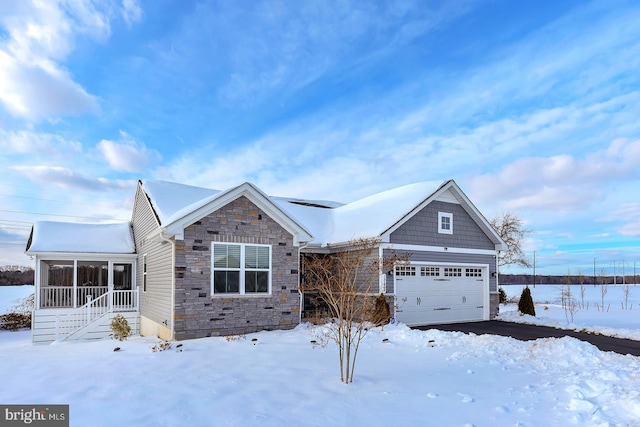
<point>127,155</point>
<point>39,35</point>
<point>629,215</point>
<point>34,91</point>
<point>68,179</point>
<point>131,11</point>
<point>37,144</point>
<point>561,183</point>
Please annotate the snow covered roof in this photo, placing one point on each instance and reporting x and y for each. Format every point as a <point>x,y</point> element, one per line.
<point>51,236</point>
<point>171,200</point>
<point>327,221</point>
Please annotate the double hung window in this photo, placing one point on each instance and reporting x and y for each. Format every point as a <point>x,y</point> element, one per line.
<point>241,269</point>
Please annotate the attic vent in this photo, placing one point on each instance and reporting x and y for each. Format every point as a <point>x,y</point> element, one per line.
<point>313,205</point>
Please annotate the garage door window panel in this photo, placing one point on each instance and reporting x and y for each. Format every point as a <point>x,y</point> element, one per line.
<point>430,271</point>
<point>453,272</point>
<point>405,271</point>
<point>473,272</point>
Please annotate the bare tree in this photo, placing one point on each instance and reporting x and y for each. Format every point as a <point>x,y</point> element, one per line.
<point>569,303</point>
<point>511,228</point>
<point>344,283</point>
<point>603,288</point>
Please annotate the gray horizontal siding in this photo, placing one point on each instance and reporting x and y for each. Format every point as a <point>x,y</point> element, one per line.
<point>444,257</point>
<point>368,279</point>
<point>422,229</point>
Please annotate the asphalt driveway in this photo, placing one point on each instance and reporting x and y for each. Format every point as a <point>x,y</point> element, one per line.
<point>524,332</point>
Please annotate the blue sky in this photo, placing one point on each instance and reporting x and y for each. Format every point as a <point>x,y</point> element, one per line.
<point>532,107</point>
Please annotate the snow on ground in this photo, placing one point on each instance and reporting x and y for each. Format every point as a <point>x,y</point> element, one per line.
<point>456,379</point>
<point>619,316</point>
<point>11,295</point>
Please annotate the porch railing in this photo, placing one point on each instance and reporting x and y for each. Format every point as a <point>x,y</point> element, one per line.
<point>113,301</point>
<point>62,296</point>
<point>124,301</point>
<point>56,296</point>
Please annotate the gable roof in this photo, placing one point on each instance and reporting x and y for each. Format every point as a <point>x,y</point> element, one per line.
<point>52,236</point>
<point>363,218</point>
<point>456,192</point>
<point>320,222</point>
<point>177,206</point>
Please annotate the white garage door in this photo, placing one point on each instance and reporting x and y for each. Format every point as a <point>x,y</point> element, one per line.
<point>439,294</point>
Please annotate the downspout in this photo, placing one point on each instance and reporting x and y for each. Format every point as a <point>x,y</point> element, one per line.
<point>173,283</point>
<point>300,248</point>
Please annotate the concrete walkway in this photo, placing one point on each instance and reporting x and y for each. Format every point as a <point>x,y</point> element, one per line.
<point>524,332</point>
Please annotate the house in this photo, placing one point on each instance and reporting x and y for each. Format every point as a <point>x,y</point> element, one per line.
<point>196,262</point>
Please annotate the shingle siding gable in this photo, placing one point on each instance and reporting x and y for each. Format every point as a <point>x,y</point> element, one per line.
<point>422,229</point>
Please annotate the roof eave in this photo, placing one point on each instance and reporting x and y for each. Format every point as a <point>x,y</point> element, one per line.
<point>299,232</point>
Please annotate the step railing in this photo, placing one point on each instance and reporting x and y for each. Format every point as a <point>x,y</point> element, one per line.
<point>81,317</point>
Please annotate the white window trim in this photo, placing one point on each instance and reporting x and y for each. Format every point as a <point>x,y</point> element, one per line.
<point>242,270</point>
<point>445,215</point>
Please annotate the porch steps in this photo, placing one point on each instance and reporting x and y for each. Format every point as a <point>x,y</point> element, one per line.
<point>91,321</point>
<point>44,326</point>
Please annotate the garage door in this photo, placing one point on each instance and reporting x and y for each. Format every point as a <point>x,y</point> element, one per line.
<point>439,294</point>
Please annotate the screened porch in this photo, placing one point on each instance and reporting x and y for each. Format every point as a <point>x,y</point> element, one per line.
<point>73,283</point>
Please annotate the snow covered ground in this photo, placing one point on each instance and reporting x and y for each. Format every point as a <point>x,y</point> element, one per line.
<point>11,295</point>
<point>619,316</point>
<point>456,380</point>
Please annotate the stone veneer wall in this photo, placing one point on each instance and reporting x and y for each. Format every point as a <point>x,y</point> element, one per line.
<point>199,314</point>
<point>494,305</point>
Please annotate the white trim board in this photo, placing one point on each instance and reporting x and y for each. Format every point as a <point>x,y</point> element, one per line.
<point>420,248</point>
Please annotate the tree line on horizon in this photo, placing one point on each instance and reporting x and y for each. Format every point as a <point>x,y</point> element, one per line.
<point>528,279</point>
<point>11,276</point>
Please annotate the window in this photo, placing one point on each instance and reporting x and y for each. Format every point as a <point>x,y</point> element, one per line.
<point>453,272</point>
<point>473,272</point>
<point>445,223</point>
<point>405,271</point>
<point>241,269</point>
<point>429,271</point>
<point>144,273</point>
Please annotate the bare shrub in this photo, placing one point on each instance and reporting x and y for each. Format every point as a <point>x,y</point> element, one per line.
<point>15,321</point>
<point>603,290</point>
<point>569,303</point>
<point>161,346</point>
<point>343,285</point>
<point>19,316</point>
<point>625,292</point>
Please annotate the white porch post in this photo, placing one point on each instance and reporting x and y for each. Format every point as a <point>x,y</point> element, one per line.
<point>75,283</point>
<point>110,286</point>
<point>37,285</point>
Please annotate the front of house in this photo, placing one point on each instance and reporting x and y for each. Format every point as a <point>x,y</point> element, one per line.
<point>199,262</point>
